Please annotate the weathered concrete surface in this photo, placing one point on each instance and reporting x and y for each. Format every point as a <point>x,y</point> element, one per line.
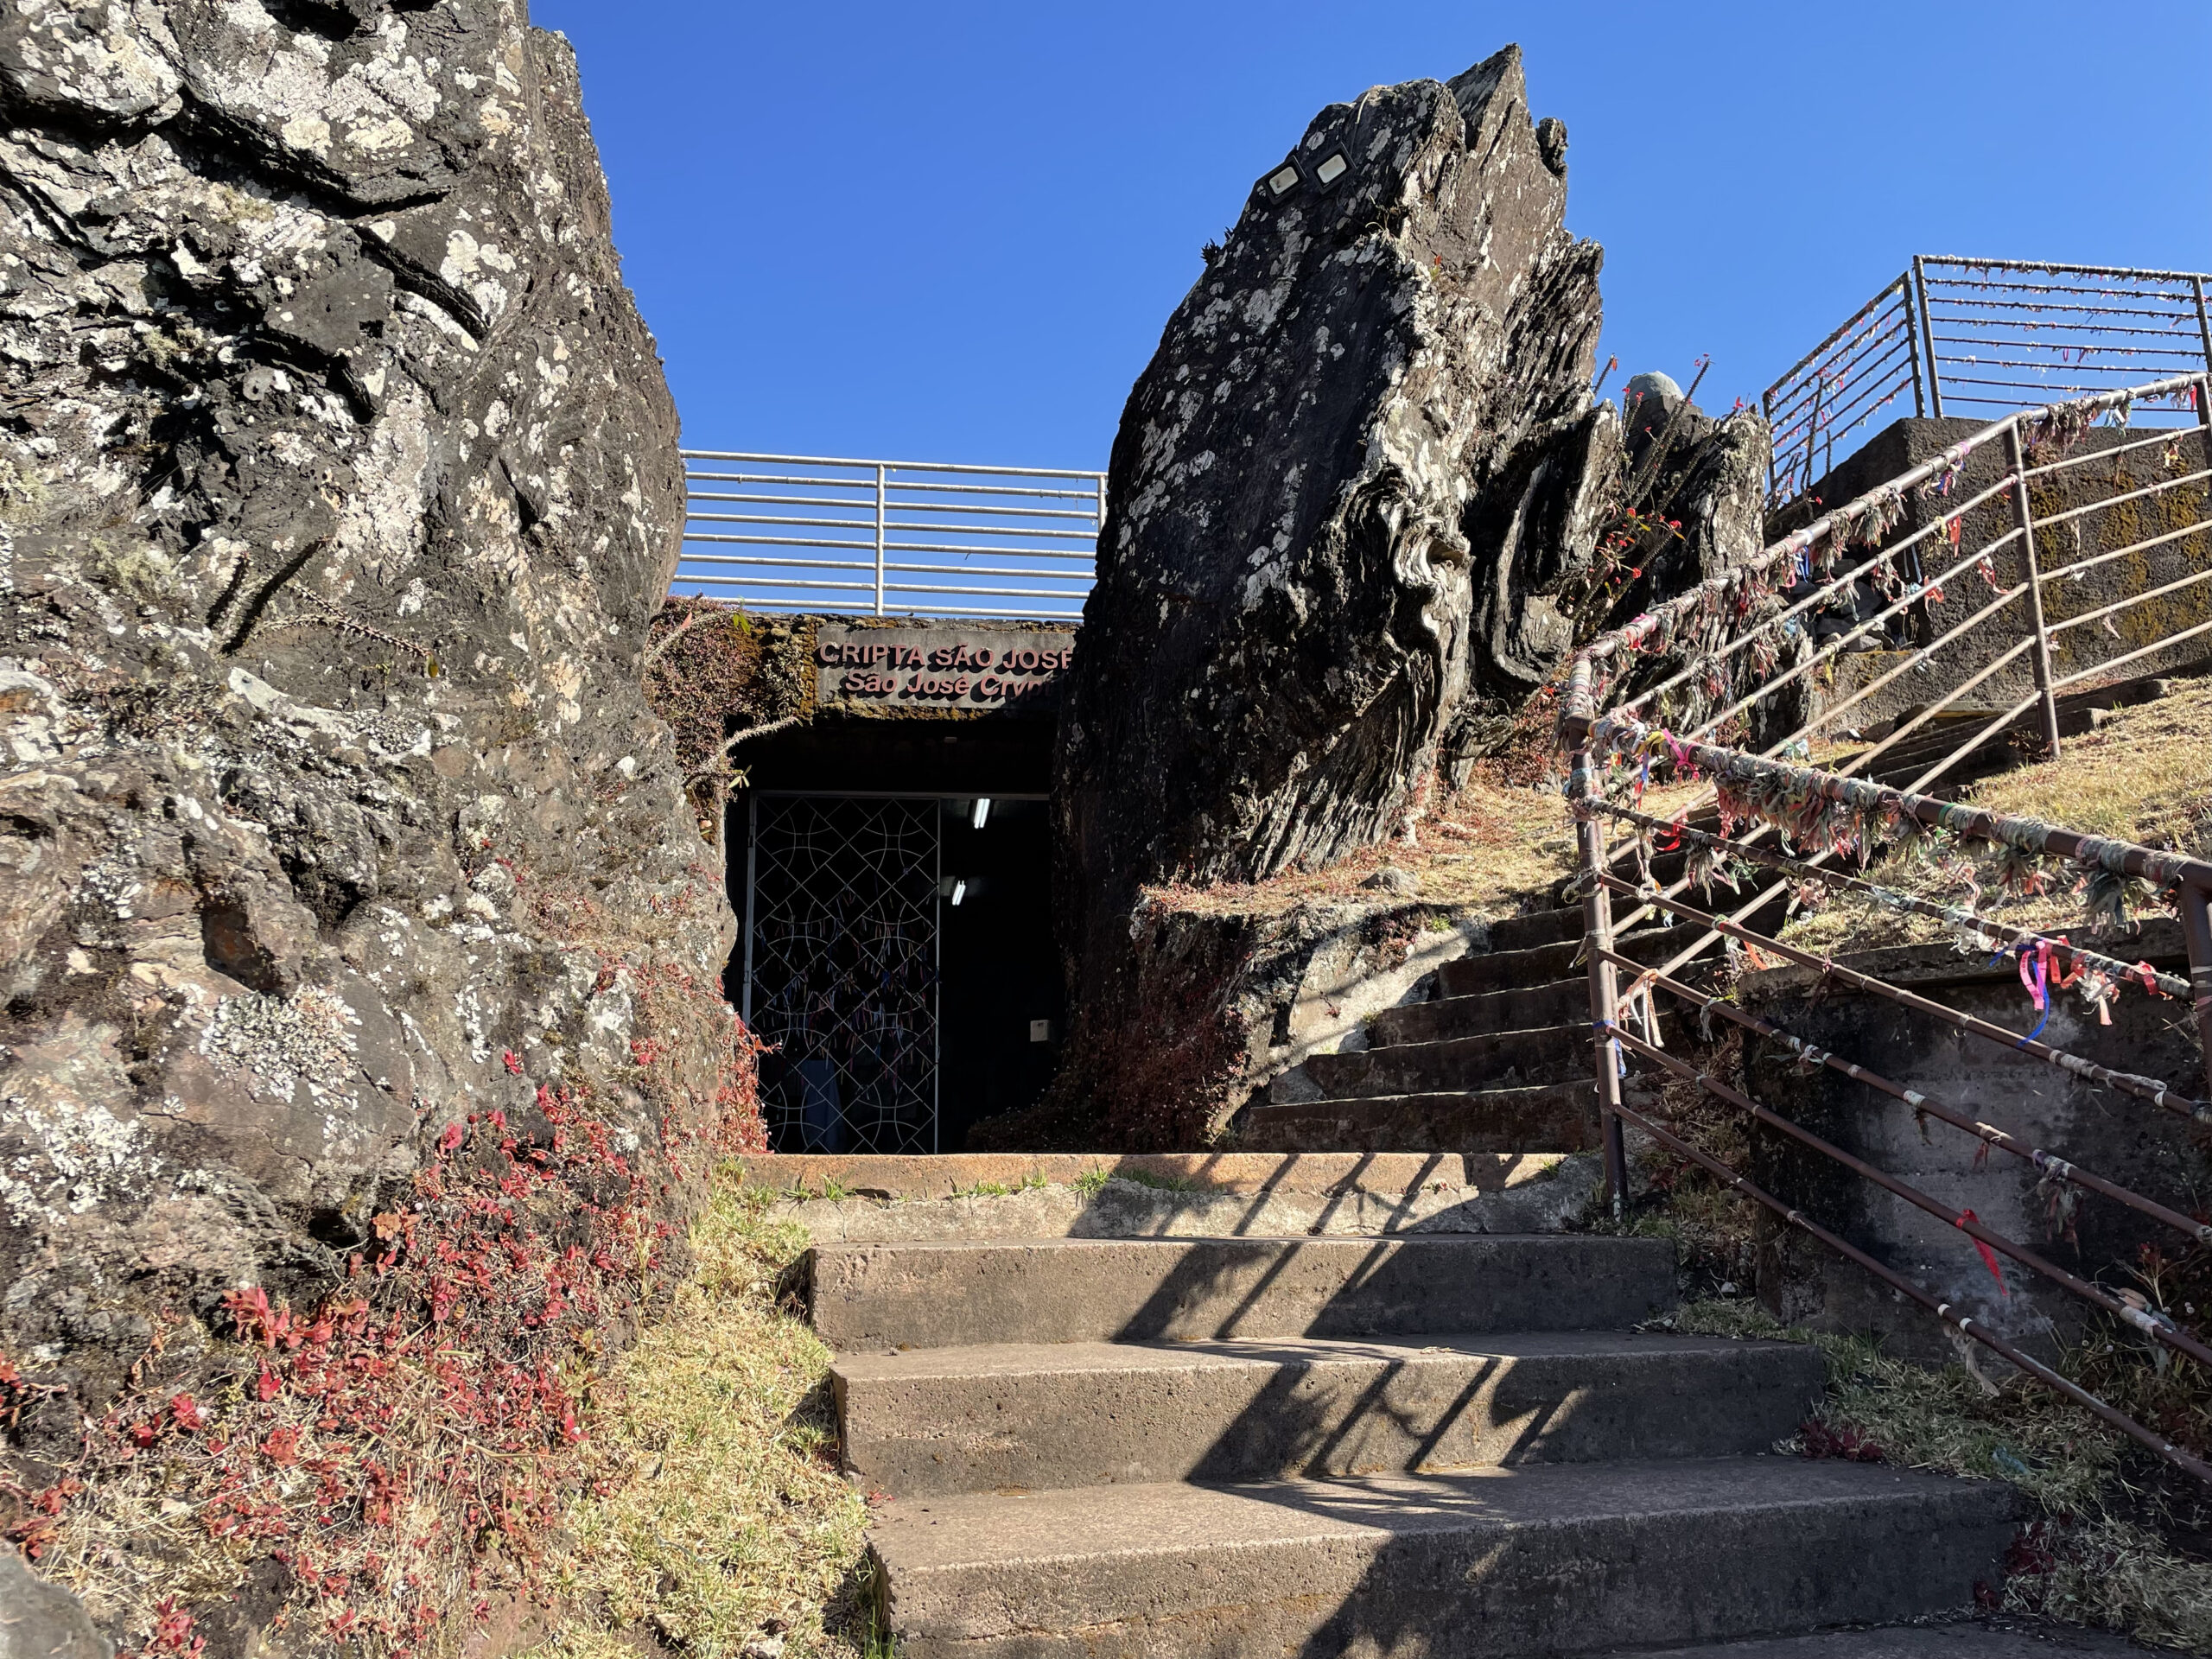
<point>1998,1639</point>
<point>1905,443</point>
<point>944,1176</point>
<point>1543,1115</point>
<point>1543,964</point>
<point>1572,1558</point>
<point>968,1419</point>
<point>1539,1193</point>
<point>1096,1290</point>
<point>2109,1134</point>
<point>1497,1059</point>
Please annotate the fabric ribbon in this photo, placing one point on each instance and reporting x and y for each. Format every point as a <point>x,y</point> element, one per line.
<point>2035,974</point>
<point>1988,1255</point>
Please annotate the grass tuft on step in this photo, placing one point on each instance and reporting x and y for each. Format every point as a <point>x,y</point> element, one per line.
<point>718,1521</point>
<point>2090,1555</point>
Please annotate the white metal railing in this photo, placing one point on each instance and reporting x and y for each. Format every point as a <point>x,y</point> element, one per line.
<point>889,537</point>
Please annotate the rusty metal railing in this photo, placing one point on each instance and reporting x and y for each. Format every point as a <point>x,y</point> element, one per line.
<point>1954,336</point>
<point>1681,692</point>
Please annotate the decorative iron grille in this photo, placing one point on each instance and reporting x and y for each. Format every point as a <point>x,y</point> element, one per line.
<point>840,970</point>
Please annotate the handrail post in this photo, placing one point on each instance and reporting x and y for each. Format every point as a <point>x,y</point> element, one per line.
<point>1934,374</point>
<point>1911,343</point>
<point>1605,993</point>
<point>2203,325</point>
<point>2196,908</point>
<point>1812,432</point>
<point>2024,516</point>
<point>1773,460</point>
<point>879,537</point>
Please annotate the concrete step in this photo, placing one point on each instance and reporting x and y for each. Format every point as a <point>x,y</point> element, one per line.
<point>1998,1639</point>
<point>1549,1117</point>
<point>932,1175</point>
<point>1543,927</point>
<point>1542,1559</point>
<point>1499,1059</point>
<point>1505,1195</point>
<point>922,1295</point>
<point>1543,964</point>
<point>1520,1008</point>
<point>965,1419</point>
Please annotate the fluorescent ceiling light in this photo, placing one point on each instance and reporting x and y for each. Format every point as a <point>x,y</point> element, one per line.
<point>959,888</point>
<point>983,811</point>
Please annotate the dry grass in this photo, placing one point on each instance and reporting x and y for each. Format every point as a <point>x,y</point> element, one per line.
<point>2090,1559</point>
<point>719,1521</point>
<point>2145,775</point>
<point>1494,847</point>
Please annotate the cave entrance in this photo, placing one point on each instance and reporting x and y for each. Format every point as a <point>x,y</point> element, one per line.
<point>898,956</point>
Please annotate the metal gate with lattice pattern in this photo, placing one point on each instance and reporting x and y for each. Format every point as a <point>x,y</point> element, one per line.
<point>842,969</point>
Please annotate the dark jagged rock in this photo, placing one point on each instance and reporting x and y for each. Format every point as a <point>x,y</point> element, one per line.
<point>1367,425</point>
<point>1698,483</point>
<point>43,1621</point>
<point>1362,460</point>
<point>341,486</point>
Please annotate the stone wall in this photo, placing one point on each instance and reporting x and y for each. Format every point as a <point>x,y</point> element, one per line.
<point>1906,443</point>
<point>2126,1139</point>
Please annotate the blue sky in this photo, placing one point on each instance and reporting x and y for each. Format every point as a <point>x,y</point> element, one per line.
<point>953,232</point>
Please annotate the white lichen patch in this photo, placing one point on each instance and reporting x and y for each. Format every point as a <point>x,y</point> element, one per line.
<point>285,1041</point>
<point>81,1154</point>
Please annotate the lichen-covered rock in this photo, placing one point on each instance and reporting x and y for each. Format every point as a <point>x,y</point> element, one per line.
<point>1360,465</point>
<point>1363,448</point>
<point>340,486</point>
<point>1697,487</point>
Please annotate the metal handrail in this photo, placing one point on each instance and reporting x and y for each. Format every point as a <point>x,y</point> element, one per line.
<point>1822,406</point>
<point>1722,625</point>
<point>876,510</point>
<point>1732,592</point>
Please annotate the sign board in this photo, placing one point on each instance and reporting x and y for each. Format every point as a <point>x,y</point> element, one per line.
<point>925,665</point>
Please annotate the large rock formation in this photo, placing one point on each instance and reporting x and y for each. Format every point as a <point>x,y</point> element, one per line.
<point>1365,441</point>
<point>1345,491</point>
<point>340,487</point>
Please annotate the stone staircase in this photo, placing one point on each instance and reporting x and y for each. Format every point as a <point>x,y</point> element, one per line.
<point>1448,1445</point>
<point>1498,1061</point>
<point>1517,1019</point>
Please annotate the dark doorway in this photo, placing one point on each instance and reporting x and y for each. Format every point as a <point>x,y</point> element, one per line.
<point>1001,1009</point>
<point>898,956</point>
